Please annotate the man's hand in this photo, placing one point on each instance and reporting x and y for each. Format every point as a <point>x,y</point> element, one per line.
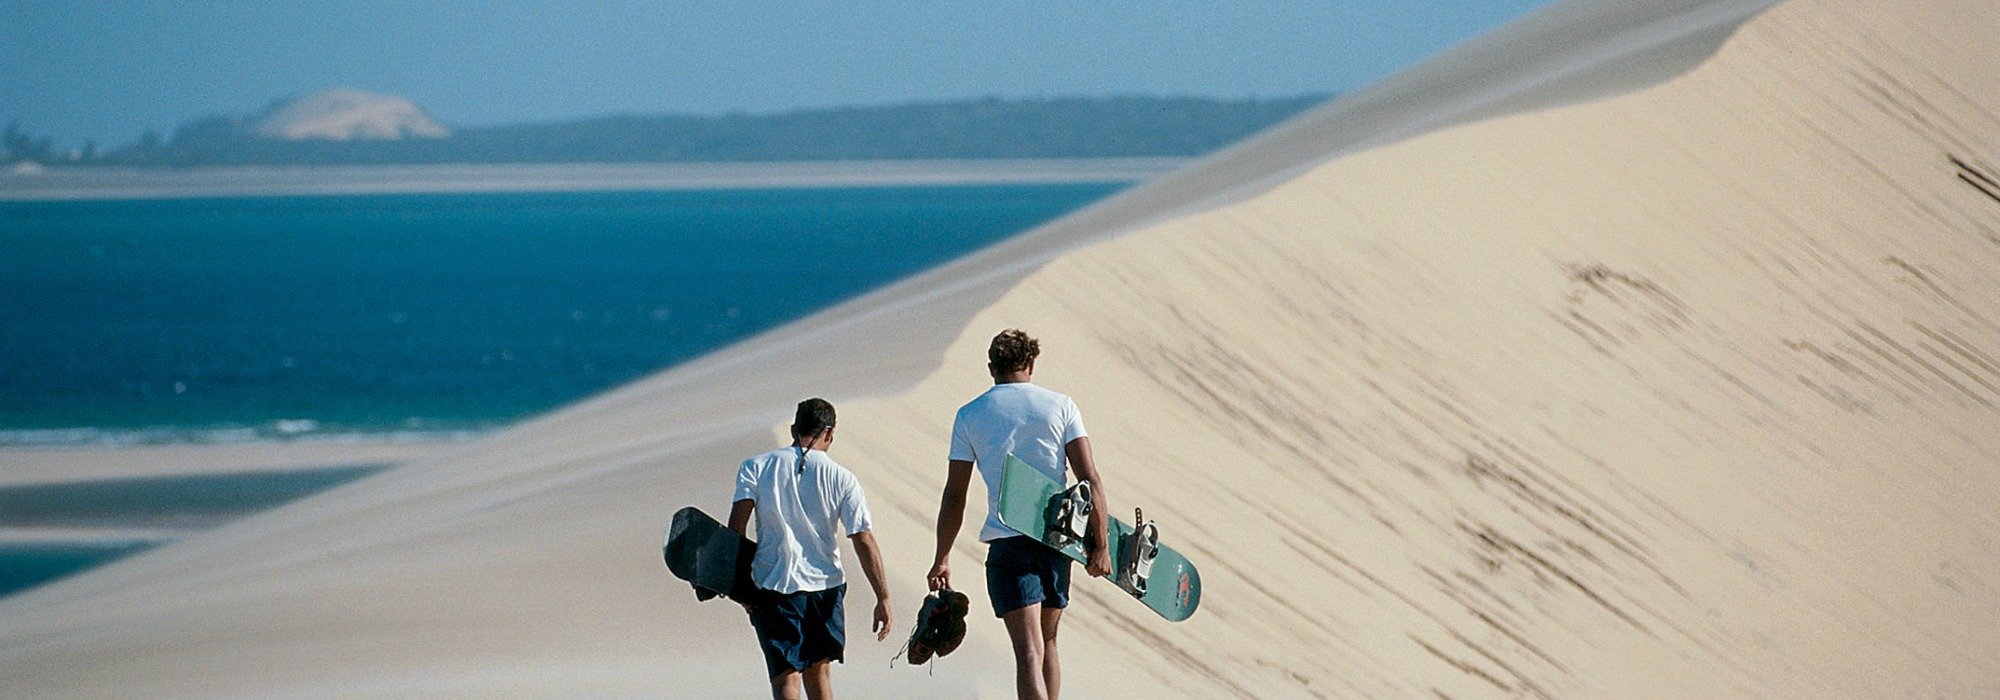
<point>1097,549</point>
<point>871,564</point>
<point>882,619</point>
<point>940,576</point>
<point>1100,561</point>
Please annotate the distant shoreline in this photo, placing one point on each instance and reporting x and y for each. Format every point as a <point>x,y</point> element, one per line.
<point>164,435</point>
<point>120,183</point>
<point>85,463</point>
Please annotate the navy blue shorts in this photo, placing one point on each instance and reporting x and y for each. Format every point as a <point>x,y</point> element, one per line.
<point>1021,572</point>
<point>797,630</point>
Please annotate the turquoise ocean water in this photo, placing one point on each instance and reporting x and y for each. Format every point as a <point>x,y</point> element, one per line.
<point>406,316</point>
<point>203,320</point>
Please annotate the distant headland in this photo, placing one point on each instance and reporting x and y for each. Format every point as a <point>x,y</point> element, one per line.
<point>352,127</point>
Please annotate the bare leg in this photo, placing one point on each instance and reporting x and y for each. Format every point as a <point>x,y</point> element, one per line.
<point>819,681</point>
<point>785,686</point>
<point>1024,628</point>
<point>1051,664</point>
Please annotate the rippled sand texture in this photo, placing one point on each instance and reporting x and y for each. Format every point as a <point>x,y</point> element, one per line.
<point>1686,393</point>
<point>1681,386</point>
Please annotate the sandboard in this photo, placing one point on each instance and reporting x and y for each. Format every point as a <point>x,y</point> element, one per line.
<point>1027,497</point>
<point>709,555</point>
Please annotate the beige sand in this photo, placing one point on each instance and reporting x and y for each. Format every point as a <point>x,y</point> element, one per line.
<point>135,183</point>
<point>55,465</point>
<point>42,466</point>
<point>1622,381</point>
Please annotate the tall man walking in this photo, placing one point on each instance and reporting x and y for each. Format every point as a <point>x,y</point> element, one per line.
<point>1028,582</point>
<point>800,497</point>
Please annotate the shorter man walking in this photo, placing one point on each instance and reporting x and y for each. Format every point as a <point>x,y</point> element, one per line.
<point>801,498</point>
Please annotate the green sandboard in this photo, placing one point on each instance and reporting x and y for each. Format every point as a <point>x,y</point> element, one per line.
<point>1174,588</point>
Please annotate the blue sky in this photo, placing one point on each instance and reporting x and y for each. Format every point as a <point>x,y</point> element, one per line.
<point>109,69</point>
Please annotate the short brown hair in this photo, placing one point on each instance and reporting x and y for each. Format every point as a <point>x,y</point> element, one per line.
<point>1012,351</point>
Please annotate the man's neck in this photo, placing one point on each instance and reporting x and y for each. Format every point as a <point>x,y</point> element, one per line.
<point>811,443</point>
<point>1011,378</point>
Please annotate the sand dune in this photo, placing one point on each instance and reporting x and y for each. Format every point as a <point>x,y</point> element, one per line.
<point>1662,364</point>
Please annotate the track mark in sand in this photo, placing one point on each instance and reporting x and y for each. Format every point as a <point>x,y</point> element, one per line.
<point>1512,666</point>
<point>1964,348</point>
<point>1469,601</point>
<point>1838,397</point>
<point>1883,375</point>
<point>1463,665</point>
<point>1928,368</point>
<point>1521,682</point>
<point>1302,680</point>
<point>1925,277</point>
<point>1491,540</point>
<point>1985,184</point>
<point>1482,470</point>
<point>1464,599</point>
<point>1908,359</point>
<point>1636,307</point>
<point>1563,501</point>
<point>1830,357</point>
<point>1174,654</point>
<point>1957,359</point>
<point>1298,614</point>
<point>1979,180</point>
<point>1204,371</point>
<point>1940,364</point>
<point>1327,552</point>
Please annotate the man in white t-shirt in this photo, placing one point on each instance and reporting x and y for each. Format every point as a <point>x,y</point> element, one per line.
<point>1027,581</point>
<point>802,500</point>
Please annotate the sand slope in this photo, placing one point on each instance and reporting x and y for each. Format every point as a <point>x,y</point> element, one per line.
<point>1590,388</point>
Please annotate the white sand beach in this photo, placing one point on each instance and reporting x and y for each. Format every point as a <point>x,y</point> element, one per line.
<point>49,465</point>
<point>50,184</point>
<point>1642,348</point>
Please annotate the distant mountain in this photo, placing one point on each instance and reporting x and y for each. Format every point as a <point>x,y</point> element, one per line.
<point>344,115</point>
<point>351,127</point>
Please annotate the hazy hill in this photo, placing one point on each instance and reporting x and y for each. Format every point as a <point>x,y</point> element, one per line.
<point>987,128</point>
<point>345,115</point>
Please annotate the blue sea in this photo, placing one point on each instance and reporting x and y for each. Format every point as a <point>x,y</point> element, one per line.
<point>429,315</point>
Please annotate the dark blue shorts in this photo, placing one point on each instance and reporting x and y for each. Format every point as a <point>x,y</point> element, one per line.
<point>1021,572</point>
<point>797,630</point>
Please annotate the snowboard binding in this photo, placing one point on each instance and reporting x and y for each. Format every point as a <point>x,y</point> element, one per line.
<point>1070,515</point>
<point>1136,554</point>
<point>940,626</point>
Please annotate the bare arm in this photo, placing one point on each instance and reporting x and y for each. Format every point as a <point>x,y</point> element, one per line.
<point>739,516</point>
<point>1098,543</point>
<point>951,515</point>
<point>871,564</point>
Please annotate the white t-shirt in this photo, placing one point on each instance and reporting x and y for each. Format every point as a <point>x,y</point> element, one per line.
<point>1020,419</point>
<point>798,513</point>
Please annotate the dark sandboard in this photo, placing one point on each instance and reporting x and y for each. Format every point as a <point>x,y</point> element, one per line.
<point>709,555</point>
